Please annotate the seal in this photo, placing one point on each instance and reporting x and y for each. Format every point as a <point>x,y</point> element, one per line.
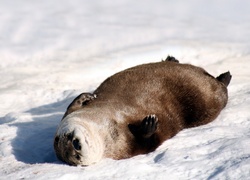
<point>136,110</point>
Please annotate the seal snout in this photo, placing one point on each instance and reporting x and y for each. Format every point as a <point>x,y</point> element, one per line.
<point>68,148</point>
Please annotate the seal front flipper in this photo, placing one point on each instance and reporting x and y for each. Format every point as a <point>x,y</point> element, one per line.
<point>79,102</point>
<point>146,128</point>
<point>145,135</point>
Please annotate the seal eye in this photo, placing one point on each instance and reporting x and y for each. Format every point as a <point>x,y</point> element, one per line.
<point>76,144</point>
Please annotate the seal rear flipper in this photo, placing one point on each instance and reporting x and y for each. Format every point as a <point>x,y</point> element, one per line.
<point>171,58</point>
<point>79,102</point>
<point>225,78</point>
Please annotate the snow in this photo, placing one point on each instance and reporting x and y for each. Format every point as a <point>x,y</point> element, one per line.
<point>50,51</point>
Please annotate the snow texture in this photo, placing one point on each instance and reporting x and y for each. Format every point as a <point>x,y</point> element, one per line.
<point>50,51</point>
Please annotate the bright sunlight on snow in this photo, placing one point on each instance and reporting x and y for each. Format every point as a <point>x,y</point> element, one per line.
<point>50,51</point>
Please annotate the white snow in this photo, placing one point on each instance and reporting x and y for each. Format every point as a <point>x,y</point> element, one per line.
<point>50,51</point>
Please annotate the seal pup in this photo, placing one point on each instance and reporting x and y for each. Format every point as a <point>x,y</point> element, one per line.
<point>136,110</point>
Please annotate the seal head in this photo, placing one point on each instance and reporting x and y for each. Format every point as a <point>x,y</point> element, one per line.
<point>75,142</point>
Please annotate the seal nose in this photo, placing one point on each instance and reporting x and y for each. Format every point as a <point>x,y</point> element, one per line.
<point>76,144</point>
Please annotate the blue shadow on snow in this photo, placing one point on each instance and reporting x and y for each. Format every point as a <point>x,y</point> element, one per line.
<point>34,140</point>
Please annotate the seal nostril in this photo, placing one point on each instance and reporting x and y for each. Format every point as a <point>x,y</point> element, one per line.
<point>70,136</point>
<point>76,144</point>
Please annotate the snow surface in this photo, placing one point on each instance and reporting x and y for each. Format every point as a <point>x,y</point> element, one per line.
<point>50,51</point>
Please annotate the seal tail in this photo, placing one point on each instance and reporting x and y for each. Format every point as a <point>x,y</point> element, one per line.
<point>225,78</point>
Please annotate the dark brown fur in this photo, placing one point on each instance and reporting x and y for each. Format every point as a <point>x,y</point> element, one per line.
<point>179,95</point>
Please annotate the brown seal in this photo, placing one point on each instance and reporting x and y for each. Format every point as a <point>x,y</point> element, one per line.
<point>135,110</point>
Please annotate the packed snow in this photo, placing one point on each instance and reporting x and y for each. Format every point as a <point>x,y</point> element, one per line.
<point>50,51</point>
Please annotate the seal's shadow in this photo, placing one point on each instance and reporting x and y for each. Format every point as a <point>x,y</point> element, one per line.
<point>34,140</point>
